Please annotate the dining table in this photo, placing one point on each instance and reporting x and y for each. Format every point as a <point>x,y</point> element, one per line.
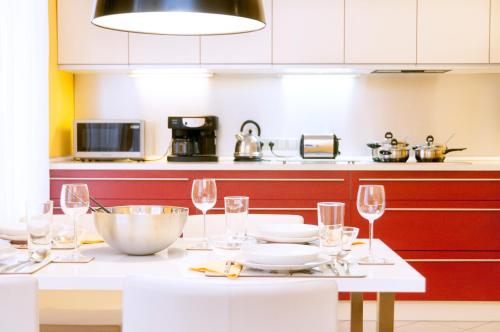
<point>109,269</point>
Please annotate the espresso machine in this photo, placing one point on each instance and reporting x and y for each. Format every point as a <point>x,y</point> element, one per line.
<point>193,138</point>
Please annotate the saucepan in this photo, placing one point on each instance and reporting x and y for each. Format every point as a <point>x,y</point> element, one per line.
<point>140,229</point>
<point>431,152</point>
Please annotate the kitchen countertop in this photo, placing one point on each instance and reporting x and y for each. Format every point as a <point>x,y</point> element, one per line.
<point>343,164</point>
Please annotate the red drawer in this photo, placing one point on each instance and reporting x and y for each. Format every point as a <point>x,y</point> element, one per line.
<point>281,185</point>
<point>126,184</point>
<point>449,186</point>
<point>456,276</point>
<point>268,185</point>
<point>427,226</point>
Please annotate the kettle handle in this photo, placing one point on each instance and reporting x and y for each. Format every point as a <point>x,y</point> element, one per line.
<point>251,122</point>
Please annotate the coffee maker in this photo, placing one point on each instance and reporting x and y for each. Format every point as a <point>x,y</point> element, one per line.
<point>193,138</point>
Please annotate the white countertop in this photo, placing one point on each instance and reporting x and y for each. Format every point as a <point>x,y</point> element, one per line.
<point>344,164</point>
<point>109,268</point>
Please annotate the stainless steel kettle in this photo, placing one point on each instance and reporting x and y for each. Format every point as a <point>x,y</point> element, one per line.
<point>248,146</point>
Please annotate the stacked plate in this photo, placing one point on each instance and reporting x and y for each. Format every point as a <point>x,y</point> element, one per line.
<point>6,251</point>
<point>282,257</point>
<point>287,233</point>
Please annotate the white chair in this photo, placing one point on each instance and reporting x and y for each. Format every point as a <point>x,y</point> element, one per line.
<point>216,223</point>
<point>162,305</point>
<point>18,304</point>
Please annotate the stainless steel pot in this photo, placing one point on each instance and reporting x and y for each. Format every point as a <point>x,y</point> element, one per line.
<point>391,150</point>
<point>430,152</point>
<point>141,230</point>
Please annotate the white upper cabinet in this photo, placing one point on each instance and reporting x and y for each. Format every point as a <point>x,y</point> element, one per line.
<point>380,31</point>
<point>247,48</point>
<point>155,49</point>
<point>495,32</point>
<point>80,42</point>
<point>309,31</point>
<point>453,31</point>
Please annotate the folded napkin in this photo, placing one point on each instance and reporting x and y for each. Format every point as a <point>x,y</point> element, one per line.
<point>14,232</point>
<point>220,268</point>
<point>91,241</point>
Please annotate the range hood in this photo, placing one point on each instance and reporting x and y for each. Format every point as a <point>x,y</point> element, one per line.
<point>410,71</point>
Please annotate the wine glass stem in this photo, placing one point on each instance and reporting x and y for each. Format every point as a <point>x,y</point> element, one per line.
<point>75,237</point>
<point>371,238</point>
<point>204,224</point>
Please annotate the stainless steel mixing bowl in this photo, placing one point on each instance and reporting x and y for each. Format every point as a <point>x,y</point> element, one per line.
<point>141,230</point>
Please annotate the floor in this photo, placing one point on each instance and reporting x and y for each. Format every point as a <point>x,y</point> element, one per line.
<point>434,326</point>
<point>369,326</point>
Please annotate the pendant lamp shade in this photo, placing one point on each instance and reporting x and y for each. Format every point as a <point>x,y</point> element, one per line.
<point>180,17</point>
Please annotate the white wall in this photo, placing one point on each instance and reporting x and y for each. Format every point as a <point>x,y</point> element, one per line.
<point>357,109</point>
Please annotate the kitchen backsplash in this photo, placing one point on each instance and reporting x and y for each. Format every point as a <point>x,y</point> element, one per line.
<point>356,108</point>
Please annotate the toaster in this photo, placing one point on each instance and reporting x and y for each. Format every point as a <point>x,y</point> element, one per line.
<point>319,146</point>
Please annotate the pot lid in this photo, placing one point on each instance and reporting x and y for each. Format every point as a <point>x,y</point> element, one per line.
<point>430,144</point>
<point>390,142</point>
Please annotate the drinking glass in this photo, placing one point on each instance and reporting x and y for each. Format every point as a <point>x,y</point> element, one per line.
<point>75,203</point>
<point>204,196</point>
<point>371,206</point>
<point>38,220</point>
<point>236,213</point>
<point>349,234</point>
<point>330,222</point>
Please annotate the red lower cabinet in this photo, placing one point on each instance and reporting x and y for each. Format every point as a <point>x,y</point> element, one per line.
<point>446,224</point>
<point>456,276</point>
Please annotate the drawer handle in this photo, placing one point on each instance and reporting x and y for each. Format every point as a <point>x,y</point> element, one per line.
<point>120,179</point>
<point>273,209</point>
<point>445,209</point>
<point>452,260</point>
<point>277,180</point>
<point>429,180</point>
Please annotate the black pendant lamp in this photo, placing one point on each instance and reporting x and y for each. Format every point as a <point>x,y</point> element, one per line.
<point>180,17</point>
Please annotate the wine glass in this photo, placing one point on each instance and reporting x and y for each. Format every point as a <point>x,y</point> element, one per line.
<point>75,203</point>
<point>204,196</point>
<point>371,206</point>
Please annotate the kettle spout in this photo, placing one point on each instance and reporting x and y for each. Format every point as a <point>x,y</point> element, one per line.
<point>239,137</point>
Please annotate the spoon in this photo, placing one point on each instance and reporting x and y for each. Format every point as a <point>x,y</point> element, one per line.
<point>99,205</point>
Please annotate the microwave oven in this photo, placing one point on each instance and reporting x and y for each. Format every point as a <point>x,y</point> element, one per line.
<point>108,139</point>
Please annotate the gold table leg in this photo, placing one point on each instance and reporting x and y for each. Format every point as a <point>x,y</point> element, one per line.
<point>356,312</point>
<point>385,312</point>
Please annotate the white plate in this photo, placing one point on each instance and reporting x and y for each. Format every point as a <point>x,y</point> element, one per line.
<point>320,260</point>
<point>276,239</point>
<point>288,230</point>
<point>280,253</point>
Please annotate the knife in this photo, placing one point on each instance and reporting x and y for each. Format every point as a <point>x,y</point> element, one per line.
<point>11,267</point>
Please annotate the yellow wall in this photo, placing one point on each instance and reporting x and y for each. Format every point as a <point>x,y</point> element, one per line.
<point>61,96</point>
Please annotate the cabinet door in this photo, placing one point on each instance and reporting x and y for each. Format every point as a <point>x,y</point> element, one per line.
<point>453,31</point>
<point>80,42</point>
<point>308,31</point>
<point>251,47</point>
<point>495,32</point>
<point>380,31</point>
<point>155,49</point>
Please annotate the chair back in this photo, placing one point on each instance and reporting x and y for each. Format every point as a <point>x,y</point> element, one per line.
<point>18,304</point>
<point>216,223</point>
<point>161,305</point>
